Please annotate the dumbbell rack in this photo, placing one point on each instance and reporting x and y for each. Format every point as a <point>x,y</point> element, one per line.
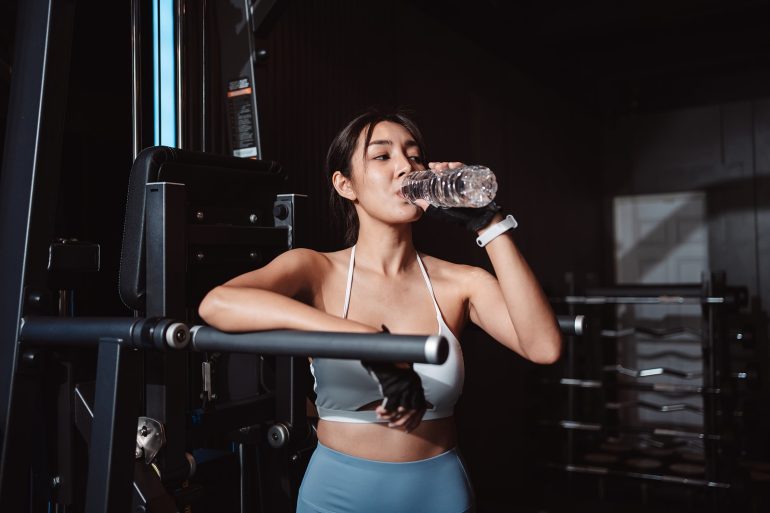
<point>593,385</point>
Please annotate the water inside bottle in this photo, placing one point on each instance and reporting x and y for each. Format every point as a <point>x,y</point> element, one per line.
<point>476,189</point>
<point>469,186</point>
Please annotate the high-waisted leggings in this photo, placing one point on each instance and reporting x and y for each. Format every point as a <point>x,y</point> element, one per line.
<point>339,483</point>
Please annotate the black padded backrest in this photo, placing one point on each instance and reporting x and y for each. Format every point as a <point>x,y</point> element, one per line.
<point>212,181</point>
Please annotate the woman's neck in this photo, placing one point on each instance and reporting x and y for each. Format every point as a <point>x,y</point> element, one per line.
<point>385,249</point>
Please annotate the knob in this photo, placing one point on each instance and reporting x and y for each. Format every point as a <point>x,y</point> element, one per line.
<point>278,435</point>
<point>280,211</point>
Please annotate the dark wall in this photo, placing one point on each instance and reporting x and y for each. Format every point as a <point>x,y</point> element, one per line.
<point>330,60</point>
<point>720,148</point>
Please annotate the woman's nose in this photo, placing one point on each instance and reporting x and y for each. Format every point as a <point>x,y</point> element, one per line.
<point>403,166</point>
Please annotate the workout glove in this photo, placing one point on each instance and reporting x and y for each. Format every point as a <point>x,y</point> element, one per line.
<point>398,386</point>
<point>474,219</point>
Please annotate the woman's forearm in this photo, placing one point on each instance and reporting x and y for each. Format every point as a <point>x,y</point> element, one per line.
<point>239,309</point>
<point>529,309</point>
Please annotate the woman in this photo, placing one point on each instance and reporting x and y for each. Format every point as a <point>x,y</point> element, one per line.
<point>395,453</point>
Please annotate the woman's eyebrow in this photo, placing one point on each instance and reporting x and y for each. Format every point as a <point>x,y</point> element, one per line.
<point>410,143</point>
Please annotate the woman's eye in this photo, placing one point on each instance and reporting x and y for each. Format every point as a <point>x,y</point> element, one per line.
<point>382,157</point>
<point>416,158</point>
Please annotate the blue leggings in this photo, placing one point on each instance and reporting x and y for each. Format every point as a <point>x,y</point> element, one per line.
<point>339,483</point>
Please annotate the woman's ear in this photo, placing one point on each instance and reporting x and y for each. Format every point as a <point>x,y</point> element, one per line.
<point>343,186</point>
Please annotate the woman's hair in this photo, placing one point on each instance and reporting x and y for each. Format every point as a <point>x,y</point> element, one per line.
<point>340,158</point>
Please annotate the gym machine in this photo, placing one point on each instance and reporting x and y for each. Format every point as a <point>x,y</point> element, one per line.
<point>182,232</point>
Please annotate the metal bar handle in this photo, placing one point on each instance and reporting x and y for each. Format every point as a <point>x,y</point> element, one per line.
<point>432,349</point>
<point>164,333</point>
<point>572,324</point>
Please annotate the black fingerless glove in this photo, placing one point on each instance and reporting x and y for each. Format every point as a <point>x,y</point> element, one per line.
<point>399,386</point>
<point>474,219</point>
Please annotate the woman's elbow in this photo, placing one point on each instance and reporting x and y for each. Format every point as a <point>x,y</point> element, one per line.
<point>549,351</point>
<point>210,305</point>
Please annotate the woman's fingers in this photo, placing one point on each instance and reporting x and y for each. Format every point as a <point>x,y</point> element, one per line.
<point>414,421</point>
<point>408,420</point>
<point>400,418</point>
<point>443,166</point>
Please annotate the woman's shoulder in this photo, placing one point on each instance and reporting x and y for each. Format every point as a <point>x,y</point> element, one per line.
<point>315,260</point>
<point>450,271</point>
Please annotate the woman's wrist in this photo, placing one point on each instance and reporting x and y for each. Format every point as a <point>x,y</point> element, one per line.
<point>495,229</point>
<point>495,219</point>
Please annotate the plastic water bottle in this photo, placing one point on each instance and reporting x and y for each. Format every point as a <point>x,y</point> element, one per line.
<point>466,186</point>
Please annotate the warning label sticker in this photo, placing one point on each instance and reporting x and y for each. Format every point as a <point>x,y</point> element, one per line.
<point>240,112</point>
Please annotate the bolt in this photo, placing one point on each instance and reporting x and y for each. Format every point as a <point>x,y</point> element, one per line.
<point>253,255</point>
<point>253,218</point>
<point>199,215</point>
<point>29,357</point>
<point>200,256</point>
<point>56,481</point>
<point>294,457</point>
<point>280,211</point>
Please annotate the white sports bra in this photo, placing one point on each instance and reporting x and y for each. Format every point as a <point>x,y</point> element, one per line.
<point>344,386</point>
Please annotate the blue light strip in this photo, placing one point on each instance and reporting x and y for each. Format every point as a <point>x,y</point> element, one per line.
<point>155,76</point>
<point>164,72</point>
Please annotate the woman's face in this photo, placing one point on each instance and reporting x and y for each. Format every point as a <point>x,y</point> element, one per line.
<point>378,169</point>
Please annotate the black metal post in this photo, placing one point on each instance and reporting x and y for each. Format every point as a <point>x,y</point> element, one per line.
<point>290,392</point>
<point>113,436</point>
<point>166,374</point>
<point>28,184</point>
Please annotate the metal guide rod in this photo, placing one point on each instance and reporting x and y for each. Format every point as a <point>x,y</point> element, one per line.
<point>590,469</point>
<point>657,294</point>
<point>641,300</point>
<point>160,333</point>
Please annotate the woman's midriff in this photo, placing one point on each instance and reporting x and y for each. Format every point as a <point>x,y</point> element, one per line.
<point>379,442</point>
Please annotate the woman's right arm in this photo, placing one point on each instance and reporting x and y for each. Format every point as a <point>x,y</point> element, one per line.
<point>275,297</point>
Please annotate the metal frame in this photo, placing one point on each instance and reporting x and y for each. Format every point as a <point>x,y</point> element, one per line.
<point>113,435</point>
<point>166,374</point>
<point>716,299</point>
<point>28,184</point>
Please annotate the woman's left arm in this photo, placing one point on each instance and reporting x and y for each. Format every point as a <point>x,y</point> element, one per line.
<point>512,308</point>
